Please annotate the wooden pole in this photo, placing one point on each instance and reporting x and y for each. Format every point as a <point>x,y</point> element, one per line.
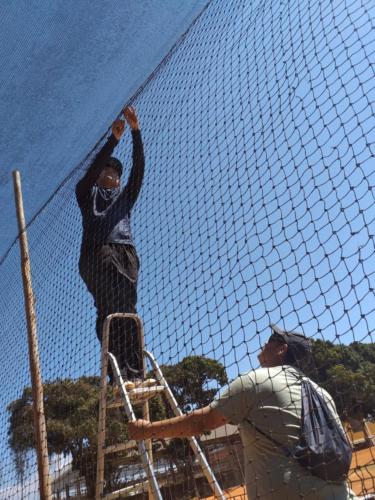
<point>36,381</point>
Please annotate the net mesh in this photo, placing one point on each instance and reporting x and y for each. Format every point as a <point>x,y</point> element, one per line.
<point>256,208</point>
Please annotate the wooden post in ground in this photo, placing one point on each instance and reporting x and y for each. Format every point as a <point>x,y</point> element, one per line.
<point>36,381</point>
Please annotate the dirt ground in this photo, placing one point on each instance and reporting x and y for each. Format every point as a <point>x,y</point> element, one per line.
<point>362,473</point>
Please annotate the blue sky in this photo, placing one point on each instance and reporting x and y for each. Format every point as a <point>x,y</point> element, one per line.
<point>257,203</point>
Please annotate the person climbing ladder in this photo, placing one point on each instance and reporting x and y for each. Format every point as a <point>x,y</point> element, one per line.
<point>108,261</point>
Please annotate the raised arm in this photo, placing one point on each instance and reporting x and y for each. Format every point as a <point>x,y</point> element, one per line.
<point>131,191</point>
<point>193,424</point>
<point>84,186</point>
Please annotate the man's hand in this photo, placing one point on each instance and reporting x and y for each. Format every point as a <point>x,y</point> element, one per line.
<point>192,424</point>
<point>118,127</point>
<point>136,429</point>
<point>131,117</point>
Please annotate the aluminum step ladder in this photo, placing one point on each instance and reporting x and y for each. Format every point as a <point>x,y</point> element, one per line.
<point>129,398</point>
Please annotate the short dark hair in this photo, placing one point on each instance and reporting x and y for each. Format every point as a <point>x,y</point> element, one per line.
<point>116,164</point>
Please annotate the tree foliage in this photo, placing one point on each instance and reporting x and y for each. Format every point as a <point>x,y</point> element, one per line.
<point>347,372</point>
<point>195,381</point>
<point>71,409</point>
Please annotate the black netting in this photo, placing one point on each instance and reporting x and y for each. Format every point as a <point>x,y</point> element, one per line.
<point>256,208</point>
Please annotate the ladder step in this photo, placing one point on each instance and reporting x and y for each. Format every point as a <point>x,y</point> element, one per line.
<point>136,489</point>
<point>115,448</point>
<point>147,392</point>
<point>138,395</point>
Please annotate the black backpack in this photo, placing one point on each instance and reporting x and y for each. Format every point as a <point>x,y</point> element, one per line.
<point>323,447</point>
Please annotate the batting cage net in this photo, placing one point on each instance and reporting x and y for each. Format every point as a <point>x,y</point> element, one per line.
<point>250,194</point>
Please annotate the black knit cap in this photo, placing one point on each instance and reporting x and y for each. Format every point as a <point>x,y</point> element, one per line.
<point>116,164</point>
<point>299,346</point>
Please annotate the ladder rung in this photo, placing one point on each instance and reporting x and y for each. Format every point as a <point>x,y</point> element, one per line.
<point>146,391</point>
<point>120,447</point>
<point>135,489</point>
<point>138,395</point>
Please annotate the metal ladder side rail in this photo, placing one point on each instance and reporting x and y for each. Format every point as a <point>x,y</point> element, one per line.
<point>145,406</point>
<point>103,404</point>
<point>212,481</point>
<point>142,450</point>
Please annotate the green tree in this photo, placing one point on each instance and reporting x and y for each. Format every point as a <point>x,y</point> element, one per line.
<point>195,381</point>
<point>347,372</point>
<point>71,409</point>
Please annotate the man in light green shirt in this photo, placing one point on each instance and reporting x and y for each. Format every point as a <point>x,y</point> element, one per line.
<point>266,400</point>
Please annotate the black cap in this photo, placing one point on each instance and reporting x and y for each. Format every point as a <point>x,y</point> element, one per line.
<point>116,164</point>
<point>299,346</point>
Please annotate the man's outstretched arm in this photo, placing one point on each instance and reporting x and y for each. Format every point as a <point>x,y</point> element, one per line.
<point>85,185</point>
<point>192,424</point>
<point>131,191</point>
